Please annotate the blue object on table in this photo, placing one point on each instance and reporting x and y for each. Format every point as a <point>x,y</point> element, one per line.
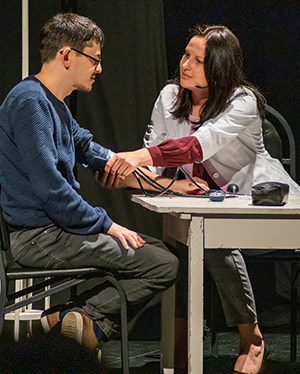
<point>216,195</point>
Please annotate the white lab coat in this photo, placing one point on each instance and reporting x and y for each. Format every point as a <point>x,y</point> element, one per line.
<point>232,142</point>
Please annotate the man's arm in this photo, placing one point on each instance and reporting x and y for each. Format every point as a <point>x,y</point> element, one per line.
<point>34,137</point>
<point>89,153</point>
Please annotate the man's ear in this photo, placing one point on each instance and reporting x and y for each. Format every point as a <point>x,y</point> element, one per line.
<point>64,55</point>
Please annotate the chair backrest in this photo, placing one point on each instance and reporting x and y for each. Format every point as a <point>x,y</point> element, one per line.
<point>4,240</point>
<point>272,140</point>
<point>280,126</point>
<point>4,235</point>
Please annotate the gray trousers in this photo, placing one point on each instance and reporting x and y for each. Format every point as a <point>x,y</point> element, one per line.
<point>228,269</point>
<point>143,272</point>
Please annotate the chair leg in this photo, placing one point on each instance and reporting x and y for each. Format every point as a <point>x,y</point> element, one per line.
<point>29,328</point>
<point>124,333</point>
<point>124,328</point>
<point>293,322</point>
<point>47,299</point>
<point>3,291</point>
<point>17,325</point>
<point>73,293</point>
<point>213,323</point>
<point>20,284</point>
<point>28,308</point>
<point>2,302</point>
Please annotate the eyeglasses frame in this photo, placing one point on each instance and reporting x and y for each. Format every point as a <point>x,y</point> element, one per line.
<point>96,61</point>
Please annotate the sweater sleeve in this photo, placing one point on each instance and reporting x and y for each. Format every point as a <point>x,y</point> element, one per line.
<point>178,152</point>
<point>88,153</point>
<point>34,137</point>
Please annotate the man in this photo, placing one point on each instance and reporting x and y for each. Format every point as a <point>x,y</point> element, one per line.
<point>52,226</point>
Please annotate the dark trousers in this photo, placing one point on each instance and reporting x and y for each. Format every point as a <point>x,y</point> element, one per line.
<point>143,272</point>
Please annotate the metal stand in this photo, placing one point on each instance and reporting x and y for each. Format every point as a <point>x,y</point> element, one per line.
<point>26,313</point>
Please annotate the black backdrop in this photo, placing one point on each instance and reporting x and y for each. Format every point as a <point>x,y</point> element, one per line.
<point>268,34</point>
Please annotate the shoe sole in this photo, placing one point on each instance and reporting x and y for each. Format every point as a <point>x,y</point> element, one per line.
<point>72,326</point>
<point>45,324</point>
<point>99,355</point>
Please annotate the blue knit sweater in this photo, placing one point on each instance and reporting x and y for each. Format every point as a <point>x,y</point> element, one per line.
<point>40,142</point>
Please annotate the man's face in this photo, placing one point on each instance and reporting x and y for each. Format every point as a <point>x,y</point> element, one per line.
<point>85,68</point>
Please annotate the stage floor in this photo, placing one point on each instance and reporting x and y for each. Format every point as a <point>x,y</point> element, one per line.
<point>144,355</point>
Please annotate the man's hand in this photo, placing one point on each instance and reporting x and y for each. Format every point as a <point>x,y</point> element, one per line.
<point>186,187</point>
<point>109,181</point>
<point>125,235</point>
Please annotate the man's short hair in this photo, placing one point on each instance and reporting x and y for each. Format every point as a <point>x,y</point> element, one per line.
<point>68,29</point>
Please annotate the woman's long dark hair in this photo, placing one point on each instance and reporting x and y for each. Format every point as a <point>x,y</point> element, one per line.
<point>223,67</point>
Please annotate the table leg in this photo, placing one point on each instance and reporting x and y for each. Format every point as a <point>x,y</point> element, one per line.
<point>168,330</point>
<point>195,296</point>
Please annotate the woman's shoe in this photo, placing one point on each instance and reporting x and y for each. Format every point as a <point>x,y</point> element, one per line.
<point>265,357</point>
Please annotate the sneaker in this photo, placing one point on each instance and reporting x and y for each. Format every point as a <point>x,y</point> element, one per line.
<point>80,327</point>
<point>50,317</point>
<point>89,339</point>
<point>72,326</point>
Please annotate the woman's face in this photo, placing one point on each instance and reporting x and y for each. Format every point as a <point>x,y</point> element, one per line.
<point>192,65</point>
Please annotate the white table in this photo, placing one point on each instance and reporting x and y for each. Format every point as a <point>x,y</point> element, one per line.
<point>201,223</point>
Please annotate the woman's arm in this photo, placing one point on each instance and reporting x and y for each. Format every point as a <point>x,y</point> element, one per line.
<point>182,186</point>
<point>210,138</point>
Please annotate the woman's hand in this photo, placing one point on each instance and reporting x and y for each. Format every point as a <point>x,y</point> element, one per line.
<point>123,164</point>
<point>125,235</point>
<point>186,187</point>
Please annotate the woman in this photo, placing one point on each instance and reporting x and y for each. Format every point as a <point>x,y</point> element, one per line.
<point>210,120</point>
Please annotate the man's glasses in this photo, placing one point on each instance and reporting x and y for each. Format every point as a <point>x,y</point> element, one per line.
<point>96,61</point>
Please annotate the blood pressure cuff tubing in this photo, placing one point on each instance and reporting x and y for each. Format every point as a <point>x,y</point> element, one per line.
<point>270,193</point>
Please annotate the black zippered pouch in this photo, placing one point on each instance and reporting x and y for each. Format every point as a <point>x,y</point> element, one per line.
<point>270,193</point>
